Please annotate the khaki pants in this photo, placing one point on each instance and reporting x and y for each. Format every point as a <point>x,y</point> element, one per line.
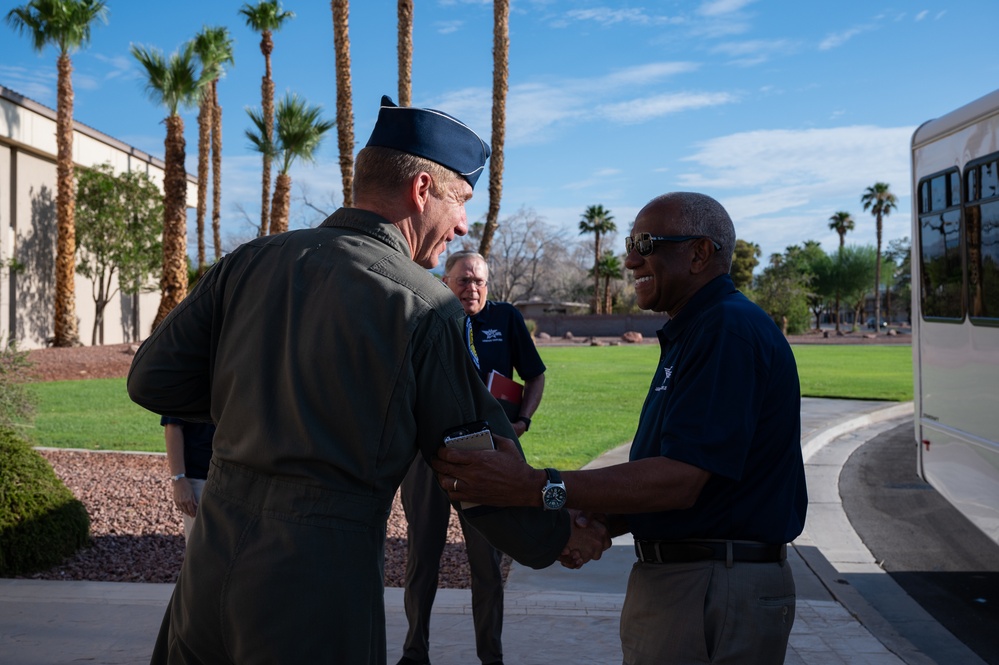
<point>703,612</point>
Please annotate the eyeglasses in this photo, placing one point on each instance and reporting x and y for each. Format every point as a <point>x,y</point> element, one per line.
<point>645,242</point>
<point>465,282</point>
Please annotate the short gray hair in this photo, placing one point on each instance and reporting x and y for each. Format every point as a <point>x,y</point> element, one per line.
<point>381,171</point>
<point>461,256</point>
<point>701,215</point>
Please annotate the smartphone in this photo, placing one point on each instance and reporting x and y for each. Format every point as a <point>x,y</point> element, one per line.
<point>473,436</point>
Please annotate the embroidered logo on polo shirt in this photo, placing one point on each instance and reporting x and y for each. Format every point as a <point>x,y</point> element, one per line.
<point>492,335</point>
<point>668,371</point>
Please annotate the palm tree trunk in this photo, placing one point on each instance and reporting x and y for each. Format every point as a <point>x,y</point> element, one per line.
<point>344,106</point>
<point>877,283</point>
<point>607,295</point>
<point>216,171</point>
<point>501,73</point>
<point>281,206</point>
<point>65,331</point>
<point>596,272</point>
<point>267,106</point>
<point>405,12</point>
<point>204,147</point>
<point>173,282</point>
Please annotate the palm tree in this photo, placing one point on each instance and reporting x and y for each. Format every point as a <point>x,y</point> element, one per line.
<point>298,132</point>
<point>213,46</point>
<point>599,222</point>
<point>344,106</point>
<point>172,83</point>
<point>216,172</point>
<point>265,17</point>
<point>501,50</point>
<point>405,12</point>
<point>66,25</point>
<point>841,222</point>
<point>879,199</point>
<point>607,269</point>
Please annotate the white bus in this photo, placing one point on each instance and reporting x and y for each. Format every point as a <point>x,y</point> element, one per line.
<point>955,307</point>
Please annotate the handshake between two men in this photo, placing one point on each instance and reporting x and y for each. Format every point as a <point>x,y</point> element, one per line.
<point>502,478</point>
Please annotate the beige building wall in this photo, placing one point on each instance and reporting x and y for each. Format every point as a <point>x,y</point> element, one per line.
<point>28,227</point>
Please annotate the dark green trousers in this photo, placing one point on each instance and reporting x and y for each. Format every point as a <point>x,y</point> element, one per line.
<point>278,572</point>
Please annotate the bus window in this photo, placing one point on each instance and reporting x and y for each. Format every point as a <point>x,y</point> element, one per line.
<point>940,247</point>
<point>982,240</point>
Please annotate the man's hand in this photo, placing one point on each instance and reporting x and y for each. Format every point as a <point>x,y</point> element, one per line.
<point>183,496</point>
<point>498,477</point>
<point>518,428</point>
<point>588,540</point>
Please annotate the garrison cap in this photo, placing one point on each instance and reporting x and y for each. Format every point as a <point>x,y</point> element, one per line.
<point>430,134</point>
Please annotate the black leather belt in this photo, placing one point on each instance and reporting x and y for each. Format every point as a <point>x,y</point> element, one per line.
<point>686,551</point>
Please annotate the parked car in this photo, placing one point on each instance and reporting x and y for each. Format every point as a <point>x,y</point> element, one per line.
<point>870,323</point>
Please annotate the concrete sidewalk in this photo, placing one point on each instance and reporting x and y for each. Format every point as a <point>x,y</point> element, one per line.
<point>552,615</point>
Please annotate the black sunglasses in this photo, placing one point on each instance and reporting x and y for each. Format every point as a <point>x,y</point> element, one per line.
<point>645,242</point>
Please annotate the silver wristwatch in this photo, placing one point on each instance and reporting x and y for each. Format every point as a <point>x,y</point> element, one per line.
<point>553,493</point>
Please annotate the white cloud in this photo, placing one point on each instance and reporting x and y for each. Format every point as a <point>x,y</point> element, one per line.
<point>836,40</point>
<point>534,109</point>
<point>837,158</point>
<point>754,52</point>
<point>447,27</point>
<point>781,186</point>
<point>120,66</point>
<point>921,15</point>
<point>609,16</point>
<point>35,84</point>
<point>722,7</point>
<point>648,108</point>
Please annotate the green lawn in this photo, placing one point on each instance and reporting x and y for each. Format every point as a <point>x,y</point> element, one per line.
<point>95,414</point>
<point>593,396</point>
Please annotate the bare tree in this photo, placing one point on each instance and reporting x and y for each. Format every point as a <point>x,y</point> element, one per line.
<point>527,254</point>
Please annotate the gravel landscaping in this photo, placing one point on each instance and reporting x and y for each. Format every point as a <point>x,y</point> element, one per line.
<point>136,532</point>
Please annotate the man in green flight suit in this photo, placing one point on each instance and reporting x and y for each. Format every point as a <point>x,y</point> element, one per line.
<point>328,358</point>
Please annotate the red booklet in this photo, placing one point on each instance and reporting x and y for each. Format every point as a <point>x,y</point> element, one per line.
<point>507,392</point>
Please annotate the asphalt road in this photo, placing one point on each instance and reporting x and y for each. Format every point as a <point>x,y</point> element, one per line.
<point>933,552</point>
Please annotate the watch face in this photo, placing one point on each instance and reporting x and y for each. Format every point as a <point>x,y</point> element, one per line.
<point>554,498</point>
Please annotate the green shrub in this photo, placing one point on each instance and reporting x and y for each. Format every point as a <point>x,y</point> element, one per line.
<point>17,402</point>
<point>41,522</point>
<point>532,326</point>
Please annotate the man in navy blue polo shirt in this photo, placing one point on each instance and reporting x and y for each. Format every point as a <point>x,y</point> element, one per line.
<point>715,485</point>
<point>497,339</point>
<point>189,454</point>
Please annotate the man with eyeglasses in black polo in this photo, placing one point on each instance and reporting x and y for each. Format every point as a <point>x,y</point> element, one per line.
<point>715,485</point>
<point>497,339</point>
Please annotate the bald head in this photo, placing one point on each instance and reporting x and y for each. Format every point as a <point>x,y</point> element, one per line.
<point>697,215</point>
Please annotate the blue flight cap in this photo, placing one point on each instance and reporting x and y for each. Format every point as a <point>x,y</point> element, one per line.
<point>432,135</point>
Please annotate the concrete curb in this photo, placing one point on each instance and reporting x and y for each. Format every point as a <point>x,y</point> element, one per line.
<point>835,553</point>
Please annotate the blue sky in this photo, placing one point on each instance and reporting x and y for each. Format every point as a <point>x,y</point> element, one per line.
<point>783,110</point>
